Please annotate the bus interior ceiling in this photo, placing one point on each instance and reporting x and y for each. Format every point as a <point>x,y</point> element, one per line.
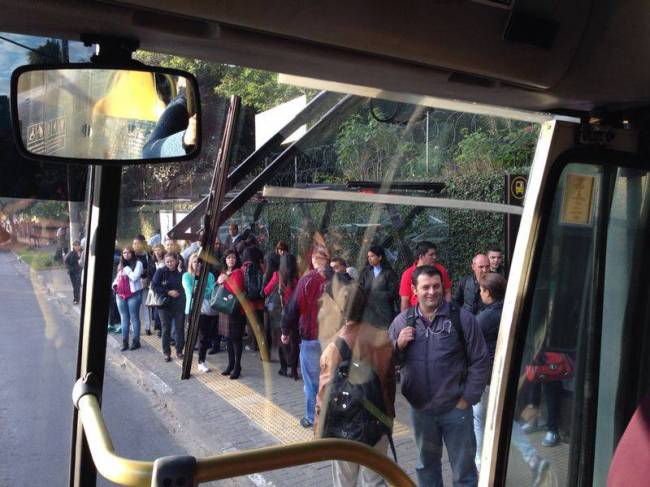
<point>563,57</point>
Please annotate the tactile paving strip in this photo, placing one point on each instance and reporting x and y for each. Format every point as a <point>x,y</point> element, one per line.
<point>271,418</point>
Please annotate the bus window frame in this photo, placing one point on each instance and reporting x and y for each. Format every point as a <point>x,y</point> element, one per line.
<point>514,347</point>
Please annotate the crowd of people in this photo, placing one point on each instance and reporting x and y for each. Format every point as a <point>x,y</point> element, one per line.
<point>350,335</point>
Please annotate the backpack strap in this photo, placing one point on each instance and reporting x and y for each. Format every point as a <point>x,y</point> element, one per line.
<point>344,350</point>
<point>389,434</point>
<point>454,316</point>
<point>410,317</point>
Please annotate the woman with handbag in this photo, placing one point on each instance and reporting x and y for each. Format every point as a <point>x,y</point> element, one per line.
<point>128,291</point>
<point>168,286</point>
<point>208,317</point>
<point>157,262</point>
<point>278,292</point>
<point>232,325</point>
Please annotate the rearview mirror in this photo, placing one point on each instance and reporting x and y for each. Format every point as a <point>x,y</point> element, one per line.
<point>95,115</point>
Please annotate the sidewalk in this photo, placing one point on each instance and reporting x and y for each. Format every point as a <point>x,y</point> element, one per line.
<point>260,409</point>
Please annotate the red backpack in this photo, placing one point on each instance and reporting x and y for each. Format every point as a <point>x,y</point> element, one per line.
<point>549,367</point>
<point>123,286</point>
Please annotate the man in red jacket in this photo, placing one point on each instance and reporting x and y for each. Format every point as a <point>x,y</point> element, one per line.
<point>426,253</point>
<point>301,317</point>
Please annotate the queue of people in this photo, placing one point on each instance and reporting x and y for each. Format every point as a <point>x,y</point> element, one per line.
<point>350,336</point>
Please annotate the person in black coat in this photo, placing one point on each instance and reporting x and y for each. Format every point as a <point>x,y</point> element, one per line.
<point>73,265</point>
<point>381,285</point>
<point>167,281</point>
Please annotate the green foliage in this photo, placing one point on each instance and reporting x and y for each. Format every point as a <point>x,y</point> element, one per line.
<point>504,148</point>
<point>37,259</point>
<point>372,150</point>
<point>52,210</point>
<point>257,89</point>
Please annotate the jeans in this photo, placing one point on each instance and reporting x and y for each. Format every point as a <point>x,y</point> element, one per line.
<point>75,279</point>
<point>455,428</point>
<point>146,312</point>
<point>130,312</point>
<point>310,367</point>
<point>519,438</point>
<point>174,311</point>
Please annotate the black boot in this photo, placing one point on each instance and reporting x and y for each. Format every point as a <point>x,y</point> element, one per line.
<point>238,348</point>
<point>135,344</point>
<point>231,358</point>
<point>125,345</point>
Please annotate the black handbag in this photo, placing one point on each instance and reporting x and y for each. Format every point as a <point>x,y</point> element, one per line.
<point>156,300</point>
<point>224,301</point>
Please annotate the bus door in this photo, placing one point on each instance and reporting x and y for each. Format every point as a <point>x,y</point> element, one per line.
<point>572,357</point>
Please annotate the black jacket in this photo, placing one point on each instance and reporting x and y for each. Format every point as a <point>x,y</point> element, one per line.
<point>165,280</point>
<point>72,262</point>
<point>488,320</point>
<point>468,295</point>
<point>383,296</point>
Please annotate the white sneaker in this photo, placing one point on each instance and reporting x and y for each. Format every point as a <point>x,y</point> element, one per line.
<point>203,368</point>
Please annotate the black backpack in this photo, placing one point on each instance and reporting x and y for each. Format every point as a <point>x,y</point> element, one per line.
<point>254,282</point>
<point>355,406</point>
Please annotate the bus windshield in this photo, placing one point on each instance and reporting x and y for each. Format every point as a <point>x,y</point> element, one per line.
<point>366,235</point>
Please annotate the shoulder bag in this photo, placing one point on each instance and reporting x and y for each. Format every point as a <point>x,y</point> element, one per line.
<point>224,301</point>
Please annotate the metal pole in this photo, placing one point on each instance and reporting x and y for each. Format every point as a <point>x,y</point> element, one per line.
<point>427,143</point>
<point>95,303</point>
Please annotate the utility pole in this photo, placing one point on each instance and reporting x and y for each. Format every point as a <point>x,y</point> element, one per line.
<point>74,207</point>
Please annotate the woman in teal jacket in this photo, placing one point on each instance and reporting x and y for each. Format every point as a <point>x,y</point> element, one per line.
<point>207,322</point>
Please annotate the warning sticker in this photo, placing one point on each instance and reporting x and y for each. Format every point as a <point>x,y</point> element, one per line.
<point>46,137</point>
<point>577,203</point>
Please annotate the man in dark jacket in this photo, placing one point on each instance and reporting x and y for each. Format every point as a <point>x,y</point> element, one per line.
<point>301,316</point>
<point>73,265</point>
<point>467,293</point>
<point>493,290</point>
<point>443,375</point>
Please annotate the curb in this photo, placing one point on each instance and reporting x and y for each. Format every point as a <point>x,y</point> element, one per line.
<point>113,344</point>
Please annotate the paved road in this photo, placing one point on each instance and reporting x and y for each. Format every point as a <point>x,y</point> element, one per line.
<point>38,350</point>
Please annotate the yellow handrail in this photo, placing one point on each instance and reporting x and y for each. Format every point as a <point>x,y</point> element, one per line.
<point>136,473</point>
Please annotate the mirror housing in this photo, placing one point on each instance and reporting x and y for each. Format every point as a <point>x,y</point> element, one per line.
<point>89,114</point>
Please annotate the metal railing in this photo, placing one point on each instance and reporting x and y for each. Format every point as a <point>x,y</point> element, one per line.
<point>124,471</point>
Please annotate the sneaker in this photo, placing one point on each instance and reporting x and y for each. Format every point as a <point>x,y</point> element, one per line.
<point>203,368</point>
<point>168,358</point>
<point>179,355</point>
<point>539,467</point>
<point>74,301</point>
<point>551,439</point>
<point>135,345</point>
<point>305,423</point>
<point>530,426</point>
<point>147,332</point>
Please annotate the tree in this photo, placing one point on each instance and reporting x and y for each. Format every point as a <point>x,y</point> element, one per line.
<point>257,89</point>
<point>48,53</point>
